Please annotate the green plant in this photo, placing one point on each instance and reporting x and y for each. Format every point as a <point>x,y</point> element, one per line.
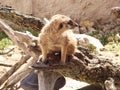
<point>105,38</point>
<point>113,46</point>
<point>108,37</point>
<point>94,33</point>
<point>4,41</point>
<point>2,35</point>
<point>91,47</point>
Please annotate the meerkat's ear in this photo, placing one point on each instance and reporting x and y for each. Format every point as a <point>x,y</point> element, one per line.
<point>53,26</point>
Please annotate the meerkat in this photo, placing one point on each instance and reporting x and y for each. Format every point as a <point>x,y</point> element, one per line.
<point>57,36</point>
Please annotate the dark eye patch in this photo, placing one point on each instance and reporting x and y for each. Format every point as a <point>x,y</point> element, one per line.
<point>70,22</point>
<point>60,26</point>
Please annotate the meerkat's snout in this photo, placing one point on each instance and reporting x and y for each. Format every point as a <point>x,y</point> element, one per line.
<point>74,26</point>
<point>67,25</point>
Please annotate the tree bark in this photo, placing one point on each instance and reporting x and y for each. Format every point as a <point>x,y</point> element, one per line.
<point>21,19</point>
<point>47,79</point>
<point>84,67</point>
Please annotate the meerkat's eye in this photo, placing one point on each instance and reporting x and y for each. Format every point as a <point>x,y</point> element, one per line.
<point>60,26</point>
<point>70,22</point>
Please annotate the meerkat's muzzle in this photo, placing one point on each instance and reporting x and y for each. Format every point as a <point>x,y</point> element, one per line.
<point>72,24</point>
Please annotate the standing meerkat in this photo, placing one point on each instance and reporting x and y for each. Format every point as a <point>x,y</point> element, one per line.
<point>57,36</point>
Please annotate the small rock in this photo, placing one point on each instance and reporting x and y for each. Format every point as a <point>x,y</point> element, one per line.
<point>10,54</point>
<point>116,55</point>
<point>115,12</point>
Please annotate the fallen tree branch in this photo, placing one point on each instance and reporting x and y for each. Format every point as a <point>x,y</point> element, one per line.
<point>17,76</point>
<point>25,41</point>
<point>2,52</point>
<point>13,69</point>
<point>6,65</point>
<point>21,19</point>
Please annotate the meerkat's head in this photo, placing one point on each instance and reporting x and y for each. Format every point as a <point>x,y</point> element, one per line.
<point>62,23</point>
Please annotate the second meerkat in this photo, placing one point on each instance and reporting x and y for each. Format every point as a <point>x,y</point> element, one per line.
<point>57,35</point>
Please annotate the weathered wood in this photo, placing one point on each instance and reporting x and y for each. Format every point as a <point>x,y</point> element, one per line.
<point>47,79</point>
<point>13,69</point>
<point>2,52</point>
<point>27,43</point>
<point>6,65</point>
<point>21,19</point>
<point>84,67</point>
<point>17,75</point>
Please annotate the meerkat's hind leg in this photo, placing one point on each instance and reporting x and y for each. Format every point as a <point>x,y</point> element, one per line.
<point>44,53</point>
<point>63,54</point>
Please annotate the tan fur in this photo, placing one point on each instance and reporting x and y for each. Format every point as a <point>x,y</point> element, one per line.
<point>57,35</point>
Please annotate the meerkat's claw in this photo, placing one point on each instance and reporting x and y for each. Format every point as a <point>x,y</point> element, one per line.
<point>44,61</point>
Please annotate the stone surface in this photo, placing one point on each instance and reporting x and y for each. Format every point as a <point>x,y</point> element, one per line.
<point>80,9</point>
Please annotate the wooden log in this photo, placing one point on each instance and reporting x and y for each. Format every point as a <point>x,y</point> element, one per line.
<point>21,19</point>
<point>84,67</point>
<point>47,79</point>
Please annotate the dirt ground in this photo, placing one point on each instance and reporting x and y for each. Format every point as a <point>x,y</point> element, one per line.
<point>14,56</point>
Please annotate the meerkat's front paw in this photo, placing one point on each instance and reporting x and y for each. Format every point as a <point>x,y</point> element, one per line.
<point>45,61</point>
<point>62,62</point>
